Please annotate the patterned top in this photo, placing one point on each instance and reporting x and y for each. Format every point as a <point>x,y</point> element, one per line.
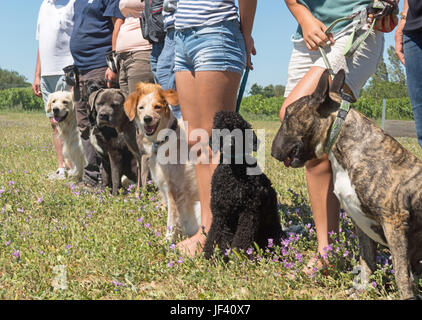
<point>196,13</point>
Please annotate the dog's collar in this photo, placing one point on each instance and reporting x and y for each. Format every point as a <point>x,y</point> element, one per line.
<point>338,122</point>
<point>157,144</point>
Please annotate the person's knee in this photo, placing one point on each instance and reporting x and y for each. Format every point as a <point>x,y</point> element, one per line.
<point>319,166</point>
<point>283,110</point>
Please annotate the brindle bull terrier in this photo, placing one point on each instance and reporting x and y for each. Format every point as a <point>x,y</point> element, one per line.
<point>378,181</point>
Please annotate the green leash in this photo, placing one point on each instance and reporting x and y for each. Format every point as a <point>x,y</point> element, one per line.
<point>352,45</point>
<point>242,89</point>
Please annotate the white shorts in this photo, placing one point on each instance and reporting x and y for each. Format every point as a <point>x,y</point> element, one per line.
<point>359,67</point>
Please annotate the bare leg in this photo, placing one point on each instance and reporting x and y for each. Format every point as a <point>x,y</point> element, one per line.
<point>201,95</point>
<point>58,145</point>
<point>325,206</point>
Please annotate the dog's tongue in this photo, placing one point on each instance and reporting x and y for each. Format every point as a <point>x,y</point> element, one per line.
<point>58,119</point>
<point>287,162</point>
<point>149,129</point>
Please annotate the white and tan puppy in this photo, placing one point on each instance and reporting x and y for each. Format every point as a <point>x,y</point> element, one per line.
<point>149,107</point>
<point>60,103</point>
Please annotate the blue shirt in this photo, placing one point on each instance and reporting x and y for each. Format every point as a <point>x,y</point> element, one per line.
<point>92,32</point>
<point>414,16</point>
<point>196,13</point>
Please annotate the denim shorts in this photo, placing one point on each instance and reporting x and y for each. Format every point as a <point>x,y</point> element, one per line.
<point>219,47</point>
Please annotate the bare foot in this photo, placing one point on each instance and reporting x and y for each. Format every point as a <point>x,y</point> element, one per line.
<point>315,264</point>
<point>193,245</point>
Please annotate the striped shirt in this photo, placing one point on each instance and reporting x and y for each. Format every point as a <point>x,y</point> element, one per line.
<point>196,13</point>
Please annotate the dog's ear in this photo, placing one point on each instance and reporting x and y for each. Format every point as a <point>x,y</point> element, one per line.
<point>93,98</point>
<point>122,93</point>
<point>321,92</point>
<point>328,98</point>
<point>337,86</point>
<point>256,142</point>
<point>130,105</point>
<point>49,102</point>
<point>171,97</point>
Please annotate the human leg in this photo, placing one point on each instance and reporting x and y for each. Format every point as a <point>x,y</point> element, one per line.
<point>165,68</point>
<point>412,47</point>
<point>201,95</point>
<point>50,84</point>
<point>209,64</point>
<point>139,69</point>
<point>91,174</point>
<point>155,54</point>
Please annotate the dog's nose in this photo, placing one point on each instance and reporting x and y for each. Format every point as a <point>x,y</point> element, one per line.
<point>103,116</point>
<point>56,110</point>
<point>147,119</point>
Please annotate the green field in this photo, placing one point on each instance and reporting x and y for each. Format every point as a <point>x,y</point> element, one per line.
<point>114,247</point>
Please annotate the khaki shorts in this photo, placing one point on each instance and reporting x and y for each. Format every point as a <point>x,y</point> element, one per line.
<point>359,68</point>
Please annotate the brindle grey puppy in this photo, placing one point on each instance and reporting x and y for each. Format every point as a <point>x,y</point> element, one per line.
<point>114,116</point>
<point>377,180</point>
<point>104,104</point>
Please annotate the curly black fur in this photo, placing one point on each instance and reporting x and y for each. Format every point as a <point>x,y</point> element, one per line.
<point>244,207</point>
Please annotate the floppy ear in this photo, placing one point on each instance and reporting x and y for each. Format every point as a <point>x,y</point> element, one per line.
<point>171,97</point>
<point>123,94</point>
<point>130,105</point>
<point>93,97</point>
<point>49,102</point>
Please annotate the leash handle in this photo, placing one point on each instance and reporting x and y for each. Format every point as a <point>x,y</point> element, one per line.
<point>242,88</point>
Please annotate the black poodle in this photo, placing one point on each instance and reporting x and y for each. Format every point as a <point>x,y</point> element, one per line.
<point>243,202</point>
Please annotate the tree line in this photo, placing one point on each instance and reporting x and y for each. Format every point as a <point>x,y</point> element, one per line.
<point>389,81</point>
<point>12,79</point>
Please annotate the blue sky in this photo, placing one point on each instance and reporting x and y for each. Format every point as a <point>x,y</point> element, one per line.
<point>272,30</point>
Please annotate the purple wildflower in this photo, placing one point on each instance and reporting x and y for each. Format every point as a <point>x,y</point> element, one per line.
<point>16,254</point>
<point>270,243</point>
<point>40,199</point>
<point>7,243</point>
<point>249,251</point>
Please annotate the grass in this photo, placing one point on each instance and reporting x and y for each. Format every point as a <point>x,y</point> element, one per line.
<point>114,247</point>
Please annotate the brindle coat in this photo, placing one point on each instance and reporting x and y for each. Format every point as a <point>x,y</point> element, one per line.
<point>376,179</point>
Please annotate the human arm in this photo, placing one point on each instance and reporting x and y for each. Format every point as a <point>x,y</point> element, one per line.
<point>131,8</point>
<point>36,86</point>
<point>111,76</point>
<point>247,9</point>
<point>399,34</point>
<point>313,30</point>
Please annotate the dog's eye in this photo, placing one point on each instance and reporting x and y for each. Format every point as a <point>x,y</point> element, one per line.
<point>54,101</point>
<point>141,107</point>
<point>157,107</point>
